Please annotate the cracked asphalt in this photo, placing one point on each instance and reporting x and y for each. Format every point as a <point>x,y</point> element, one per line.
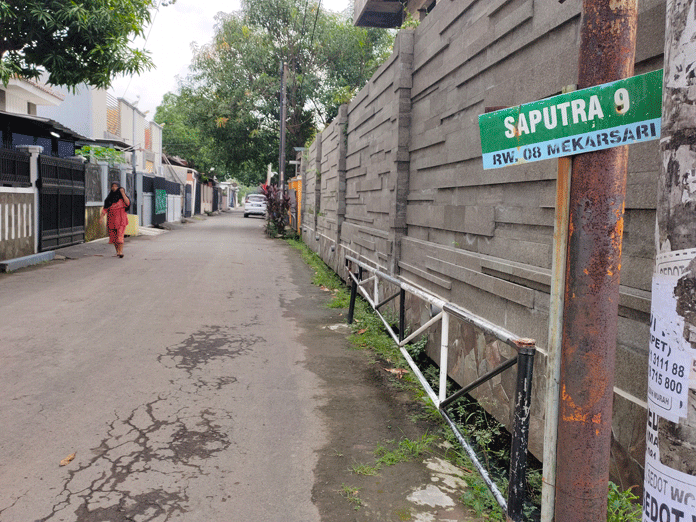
<point>196,380</point>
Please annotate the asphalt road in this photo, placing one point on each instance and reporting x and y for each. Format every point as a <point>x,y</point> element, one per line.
<point>195,380</point>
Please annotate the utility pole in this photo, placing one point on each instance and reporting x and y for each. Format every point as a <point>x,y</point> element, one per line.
<point>590,311</point>
<point>283,120</point>
<point>670,461</point>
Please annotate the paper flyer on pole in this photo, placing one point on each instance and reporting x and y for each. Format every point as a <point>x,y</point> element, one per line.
<point>670,466</point>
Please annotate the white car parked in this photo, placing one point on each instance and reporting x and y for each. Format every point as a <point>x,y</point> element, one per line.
<point>255,204</point>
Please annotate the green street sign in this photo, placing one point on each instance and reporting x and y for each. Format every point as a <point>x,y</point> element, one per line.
<point>160,201</point>
<point>600,117</point>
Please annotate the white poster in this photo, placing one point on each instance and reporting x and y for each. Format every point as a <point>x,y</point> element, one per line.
<point>670,458</point>
<point>670,355</point>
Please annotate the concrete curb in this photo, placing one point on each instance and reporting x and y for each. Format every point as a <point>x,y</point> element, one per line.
<point>10,265</point>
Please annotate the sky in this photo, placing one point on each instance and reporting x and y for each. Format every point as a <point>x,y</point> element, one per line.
<point>169,39</point>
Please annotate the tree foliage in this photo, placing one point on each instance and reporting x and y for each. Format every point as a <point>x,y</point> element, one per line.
<point>230,101</point>
<point>75,41</point>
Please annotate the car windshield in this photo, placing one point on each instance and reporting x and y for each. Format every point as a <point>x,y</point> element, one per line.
<point>257,199</point>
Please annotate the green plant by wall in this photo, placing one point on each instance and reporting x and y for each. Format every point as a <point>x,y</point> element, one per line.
<point>277,207</point>
<point>409,22</point>
<point>98,153</point>
<point>486,432</point>
<point>621,505</point>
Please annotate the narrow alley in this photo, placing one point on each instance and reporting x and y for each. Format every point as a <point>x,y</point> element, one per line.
<point>196,380</point>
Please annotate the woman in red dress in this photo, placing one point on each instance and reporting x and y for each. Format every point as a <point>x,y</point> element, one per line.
<point>115,206</point>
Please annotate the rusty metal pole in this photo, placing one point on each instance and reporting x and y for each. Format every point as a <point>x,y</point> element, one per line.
<point>598,189</point>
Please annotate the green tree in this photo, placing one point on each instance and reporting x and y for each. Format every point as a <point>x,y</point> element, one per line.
<point>75,41</point>
<point>180,135</point>
<point>233,90</point>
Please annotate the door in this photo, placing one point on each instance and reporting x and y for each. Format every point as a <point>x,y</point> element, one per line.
<point>61,202</point>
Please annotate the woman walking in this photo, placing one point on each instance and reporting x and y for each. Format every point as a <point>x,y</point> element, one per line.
<point>115,206</point>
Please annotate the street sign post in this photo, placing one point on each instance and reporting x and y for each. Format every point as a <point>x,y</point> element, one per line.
<point>600,117</point>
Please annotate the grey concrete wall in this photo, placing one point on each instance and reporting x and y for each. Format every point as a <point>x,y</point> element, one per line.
<point>311,204</point>
<point>331,187</point>
<point>378,126</point>
<point>17,224</point>
<point>419,204</point>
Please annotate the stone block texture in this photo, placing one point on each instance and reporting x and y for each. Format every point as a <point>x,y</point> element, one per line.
<point>399,184</point>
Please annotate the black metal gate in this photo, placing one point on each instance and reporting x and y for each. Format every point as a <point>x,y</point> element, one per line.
<point>159,205</point>
<point>199,189</point>
<point>187,201</point>
<point>293,210</point>
<point>216,199</point>
<point>61,202</point>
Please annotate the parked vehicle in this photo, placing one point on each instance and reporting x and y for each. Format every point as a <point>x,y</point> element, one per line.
<point>255,204</point>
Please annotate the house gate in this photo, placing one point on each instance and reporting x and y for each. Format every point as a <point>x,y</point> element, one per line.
<point>199,190</point>
<point>294,223</point>
<point>187,205</point>
<point>61,202</point>
<point>159,209</point>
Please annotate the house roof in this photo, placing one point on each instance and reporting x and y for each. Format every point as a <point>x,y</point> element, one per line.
<point>33,91</point>
<point>45,88</point>
<point>176,160</point>
<point>46,124</point>
<point>116,143</point>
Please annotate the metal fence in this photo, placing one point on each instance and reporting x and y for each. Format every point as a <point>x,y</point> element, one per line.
<point>113,115</point>
<point>526,349</point>
<point>61,202</point>
<point>14,168</point>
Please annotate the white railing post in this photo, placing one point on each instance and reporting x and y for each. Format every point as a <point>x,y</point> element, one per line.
<point>444,352</point>
<point>376,291</point>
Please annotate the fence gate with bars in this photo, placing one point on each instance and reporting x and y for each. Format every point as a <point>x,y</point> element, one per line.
<point>188,203</point>
<point>61,202</point>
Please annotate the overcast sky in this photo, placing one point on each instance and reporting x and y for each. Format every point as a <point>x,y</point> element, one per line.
<point>171,34</point>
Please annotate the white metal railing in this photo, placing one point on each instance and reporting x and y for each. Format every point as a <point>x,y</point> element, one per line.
<point>442,311</point>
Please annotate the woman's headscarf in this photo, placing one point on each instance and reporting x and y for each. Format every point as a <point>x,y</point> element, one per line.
<point>113,196</point>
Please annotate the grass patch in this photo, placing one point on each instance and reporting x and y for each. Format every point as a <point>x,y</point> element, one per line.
<point>350,493</point>
<point>370,335</point>
<point>404,451</point>
<point>323,275</point>
<point>364,469</point>
<point>622,505</point>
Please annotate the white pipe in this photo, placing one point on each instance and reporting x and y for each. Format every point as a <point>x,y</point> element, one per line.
<point>389,328</point>
<point>443,356</point>
<point>421,329</point>
<point>366,295</point>
<point>365,281</point>
<point>426,297</point>
<point>376,290</point>
<point>419,375</point>
<point>553,361</point>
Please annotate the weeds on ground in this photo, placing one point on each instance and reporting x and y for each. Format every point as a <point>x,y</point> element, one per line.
<point>489,436</point>
<point>621,506</point>
<point>369,334</point>
<point>404,451</point>
<point>323,275</point>
<point>364,469</point>
<point>479,498</point>
<point>391,452</point>
<point>350,493</point>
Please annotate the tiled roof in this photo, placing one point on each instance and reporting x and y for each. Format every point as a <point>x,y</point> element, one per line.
<point>43,87</point>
